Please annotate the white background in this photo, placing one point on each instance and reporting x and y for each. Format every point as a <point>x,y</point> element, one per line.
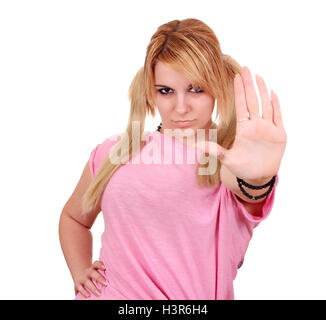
<point>65,70</point>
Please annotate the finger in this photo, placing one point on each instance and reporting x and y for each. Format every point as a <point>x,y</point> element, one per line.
<point>99,265</point>
<point>91,286</point>
<point>240,98</point>
<point>83,291</point>
<point>251,96</point>
<point>277,118</point>
<point>98,277</point>
<point>266,104</point>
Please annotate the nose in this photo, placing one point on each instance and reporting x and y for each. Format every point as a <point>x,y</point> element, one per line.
<point>182,105</point>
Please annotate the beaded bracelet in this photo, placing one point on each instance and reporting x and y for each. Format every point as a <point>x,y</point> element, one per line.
<point>269,183</point>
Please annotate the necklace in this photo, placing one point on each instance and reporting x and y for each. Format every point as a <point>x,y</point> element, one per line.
<point>159,127</point>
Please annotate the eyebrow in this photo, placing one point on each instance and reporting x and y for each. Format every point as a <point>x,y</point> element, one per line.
<point>161,85</point>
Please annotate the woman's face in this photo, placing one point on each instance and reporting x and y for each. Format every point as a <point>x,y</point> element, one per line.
<point>176,100</point>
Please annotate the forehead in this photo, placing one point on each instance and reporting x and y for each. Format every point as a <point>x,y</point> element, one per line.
<point>165,75</point>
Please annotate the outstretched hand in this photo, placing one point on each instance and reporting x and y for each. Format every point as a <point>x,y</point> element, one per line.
<point>260,141</point>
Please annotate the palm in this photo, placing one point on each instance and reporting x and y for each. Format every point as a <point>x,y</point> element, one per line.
<point>260,142</point>
<point>257,150</point>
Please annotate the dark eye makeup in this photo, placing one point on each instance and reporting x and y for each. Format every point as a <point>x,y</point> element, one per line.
<point>163,92</point>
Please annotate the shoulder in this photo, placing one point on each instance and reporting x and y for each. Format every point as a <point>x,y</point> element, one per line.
<point>100,151</point>
<point>110,141</point>
<point>103,148</point>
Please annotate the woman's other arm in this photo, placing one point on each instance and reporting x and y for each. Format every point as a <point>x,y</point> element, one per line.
<point>74,229</point>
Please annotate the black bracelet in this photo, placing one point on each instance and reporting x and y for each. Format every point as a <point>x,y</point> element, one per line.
<point>269,183</point>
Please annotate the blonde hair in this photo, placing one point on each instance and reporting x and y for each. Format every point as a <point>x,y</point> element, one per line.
<point>191,48</point>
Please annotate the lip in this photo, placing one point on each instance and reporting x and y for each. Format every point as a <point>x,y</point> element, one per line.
<point>184,123</point>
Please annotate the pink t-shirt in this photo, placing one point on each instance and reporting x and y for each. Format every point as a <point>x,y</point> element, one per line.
<point>165,237</point>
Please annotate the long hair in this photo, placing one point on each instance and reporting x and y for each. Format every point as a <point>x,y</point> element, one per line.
<point>191,48</point>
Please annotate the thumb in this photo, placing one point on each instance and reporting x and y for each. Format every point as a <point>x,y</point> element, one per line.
<point>212,148</point>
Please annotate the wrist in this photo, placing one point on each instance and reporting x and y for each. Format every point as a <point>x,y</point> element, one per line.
<point>255,185</point>
<point>79,269</point>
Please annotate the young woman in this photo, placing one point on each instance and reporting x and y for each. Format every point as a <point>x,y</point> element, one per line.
<point>177,229</point>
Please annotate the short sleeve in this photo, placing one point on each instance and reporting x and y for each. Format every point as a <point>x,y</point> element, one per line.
<point>99,153</point>
<point>239,223</point>
<point>92,160</point>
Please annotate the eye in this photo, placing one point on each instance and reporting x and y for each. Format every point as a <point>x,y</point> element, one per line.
<point>161,90</point>
<point>198,90</point>
<point>165,93</point>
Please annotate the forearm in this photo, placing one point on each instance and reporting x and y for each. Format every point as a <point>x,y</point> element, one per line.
<point>76,243</point>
